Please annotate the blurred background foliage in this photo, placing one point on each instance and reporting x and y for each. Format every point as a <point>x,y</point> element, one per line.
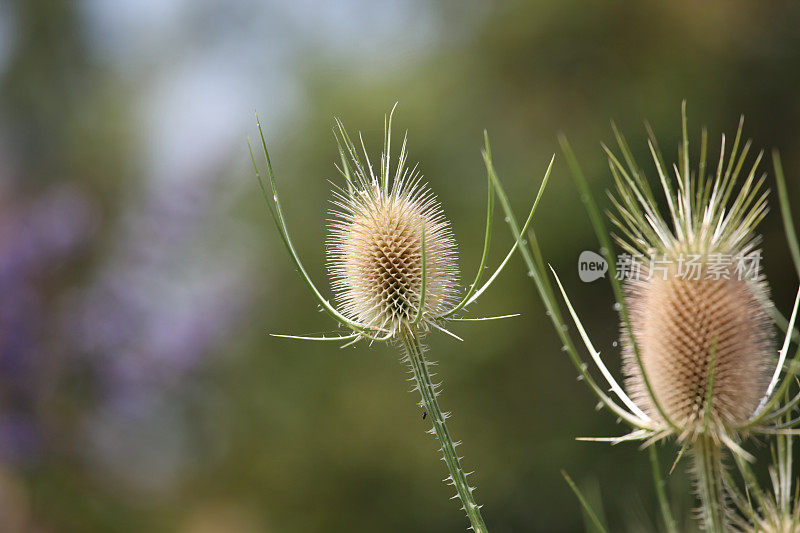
<point>140,274</point>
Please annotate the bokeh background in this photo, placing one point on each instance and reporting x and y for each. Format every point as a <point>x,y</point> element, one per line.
<point>140,273</point>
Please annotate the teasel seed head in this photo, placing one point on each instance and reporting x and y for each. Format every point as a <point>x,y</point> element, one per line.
<point>375,253</point>
<point>704,345</point>
<point>773,519</point>
<point>704,338</point>
<point>390,250</point>
<point>698,348</point>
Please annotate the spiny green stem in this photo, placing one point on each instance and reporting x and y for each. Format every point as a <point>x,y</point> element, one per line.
<point>427,390</point>
<point>708,457</point>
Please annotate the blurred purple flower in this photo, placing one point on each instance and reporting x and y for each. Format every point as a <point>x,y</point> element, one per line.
<point>36,238</point>
<point>164,300</point>
<point>167,298</point>
<point>20,438</point>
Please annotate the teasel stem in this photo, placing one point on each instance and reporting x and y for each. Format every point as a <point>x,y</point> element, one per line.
<point>710,475</point>
<point>416,358</point>
<point>708,456</point>
<point>663,502</point>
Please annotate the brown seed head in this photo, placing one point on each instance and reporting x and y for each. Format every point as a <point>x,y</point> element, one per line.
<point>686,329</point>
<point>699,319</point>
<point>375,255</point>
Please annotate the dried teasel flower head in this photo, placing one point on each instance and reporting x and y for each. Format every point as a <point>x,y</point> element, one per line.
<point>704,345</point>
<point>697,340</point>
<point>697,306</point>
<point>770,511</point>
<point>378,233</point>
<point>391,253</point>
<point>774,519</point>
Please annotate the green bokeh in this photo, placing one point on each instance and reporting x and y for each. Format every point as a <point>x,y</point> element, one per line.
<point>292,437</point>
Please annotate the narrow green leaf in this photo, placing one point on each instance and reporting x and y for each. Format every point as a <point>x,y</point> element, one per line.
<point>786,213</point>
<point>586,507</point>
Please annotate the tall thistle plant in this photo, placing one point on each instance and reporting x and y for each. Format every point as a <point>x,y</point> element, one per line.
<point>392,263</point>
<point>698,351</point>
